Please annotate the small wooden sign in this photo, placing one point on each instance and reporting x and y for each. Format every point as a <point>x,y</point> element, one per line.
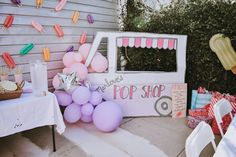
<point>179,100</point>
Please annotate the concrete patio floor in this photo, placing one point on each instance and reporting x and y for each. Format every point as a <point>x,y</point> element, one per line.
<point>148,135</point>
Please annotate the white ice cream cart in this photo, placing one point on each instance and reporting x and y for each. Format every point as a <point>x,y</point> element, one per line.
<point>140,93</point>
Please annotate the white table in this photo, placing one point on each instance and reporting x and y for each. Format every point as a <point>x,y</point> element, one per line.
<point>227,145</point>
<point>28,112</point>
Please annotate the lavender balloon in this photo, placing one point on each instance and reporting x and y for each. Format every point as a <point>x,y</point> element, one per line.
<point>96,98</point>
<point>81,95</point>
<point>90,19</point>
<point>72,113</point>
<point>86,119</point>
<point>107,116</point>
<point>63,98</point>
<point>87,109</point>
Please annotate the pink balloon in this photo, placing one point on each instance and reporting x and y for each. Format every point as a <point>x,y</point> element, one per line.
<point>84,50</point>
<point>81,95</point>
<point>68,59</point>
<point>63,98</point>
<point>66,71</point>
<point>72,113</point>
<point>87,109</point>
<point>82,72</point>
<point>107,116</point>
<point>96,98</point>
<point>78,57</point>
<point>75,67</point>
<point>86,119</point>
<point>90,70</point>
<point>55,82</point>
<point>99,63</point>
<point>98,53</point>
<point>80,69</point>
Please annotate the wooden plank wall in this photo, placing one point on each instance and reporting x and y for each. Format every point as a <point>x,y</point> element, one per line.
<point>21,32</point>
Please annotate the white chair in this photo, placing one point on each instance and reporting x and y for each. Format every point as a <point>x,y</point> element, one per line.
<point>201,136</point>
<point>221,108</point>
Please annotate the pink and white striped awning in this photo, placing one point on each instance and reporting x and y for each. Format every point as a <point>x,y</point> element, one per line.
<point>160,43</point>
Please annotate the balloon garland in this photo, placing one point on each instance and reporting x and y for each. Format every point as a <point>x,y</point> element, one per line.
<point>88,106</point>
<point>81,102</point>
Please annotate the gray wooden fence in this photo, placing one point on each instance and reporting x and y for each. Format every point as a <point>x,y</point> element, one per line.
<point>13,39</point>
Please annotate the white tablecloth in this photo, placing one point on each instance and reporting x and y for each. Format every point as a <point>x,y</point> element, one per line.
<point>227,145</point>
<point>29,112</point>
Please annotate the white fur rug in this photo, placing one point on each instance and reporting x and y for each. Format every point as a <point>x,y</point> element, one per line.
<point>120,143</point>
<point>85,140</point>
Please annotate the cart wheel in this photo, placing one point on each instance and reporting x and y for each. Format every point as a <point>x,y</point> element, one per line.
<point>163,106</point>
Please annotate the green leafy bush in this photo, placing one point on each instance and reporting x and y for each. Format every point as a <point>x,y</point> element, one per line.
<point>199,20</point>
